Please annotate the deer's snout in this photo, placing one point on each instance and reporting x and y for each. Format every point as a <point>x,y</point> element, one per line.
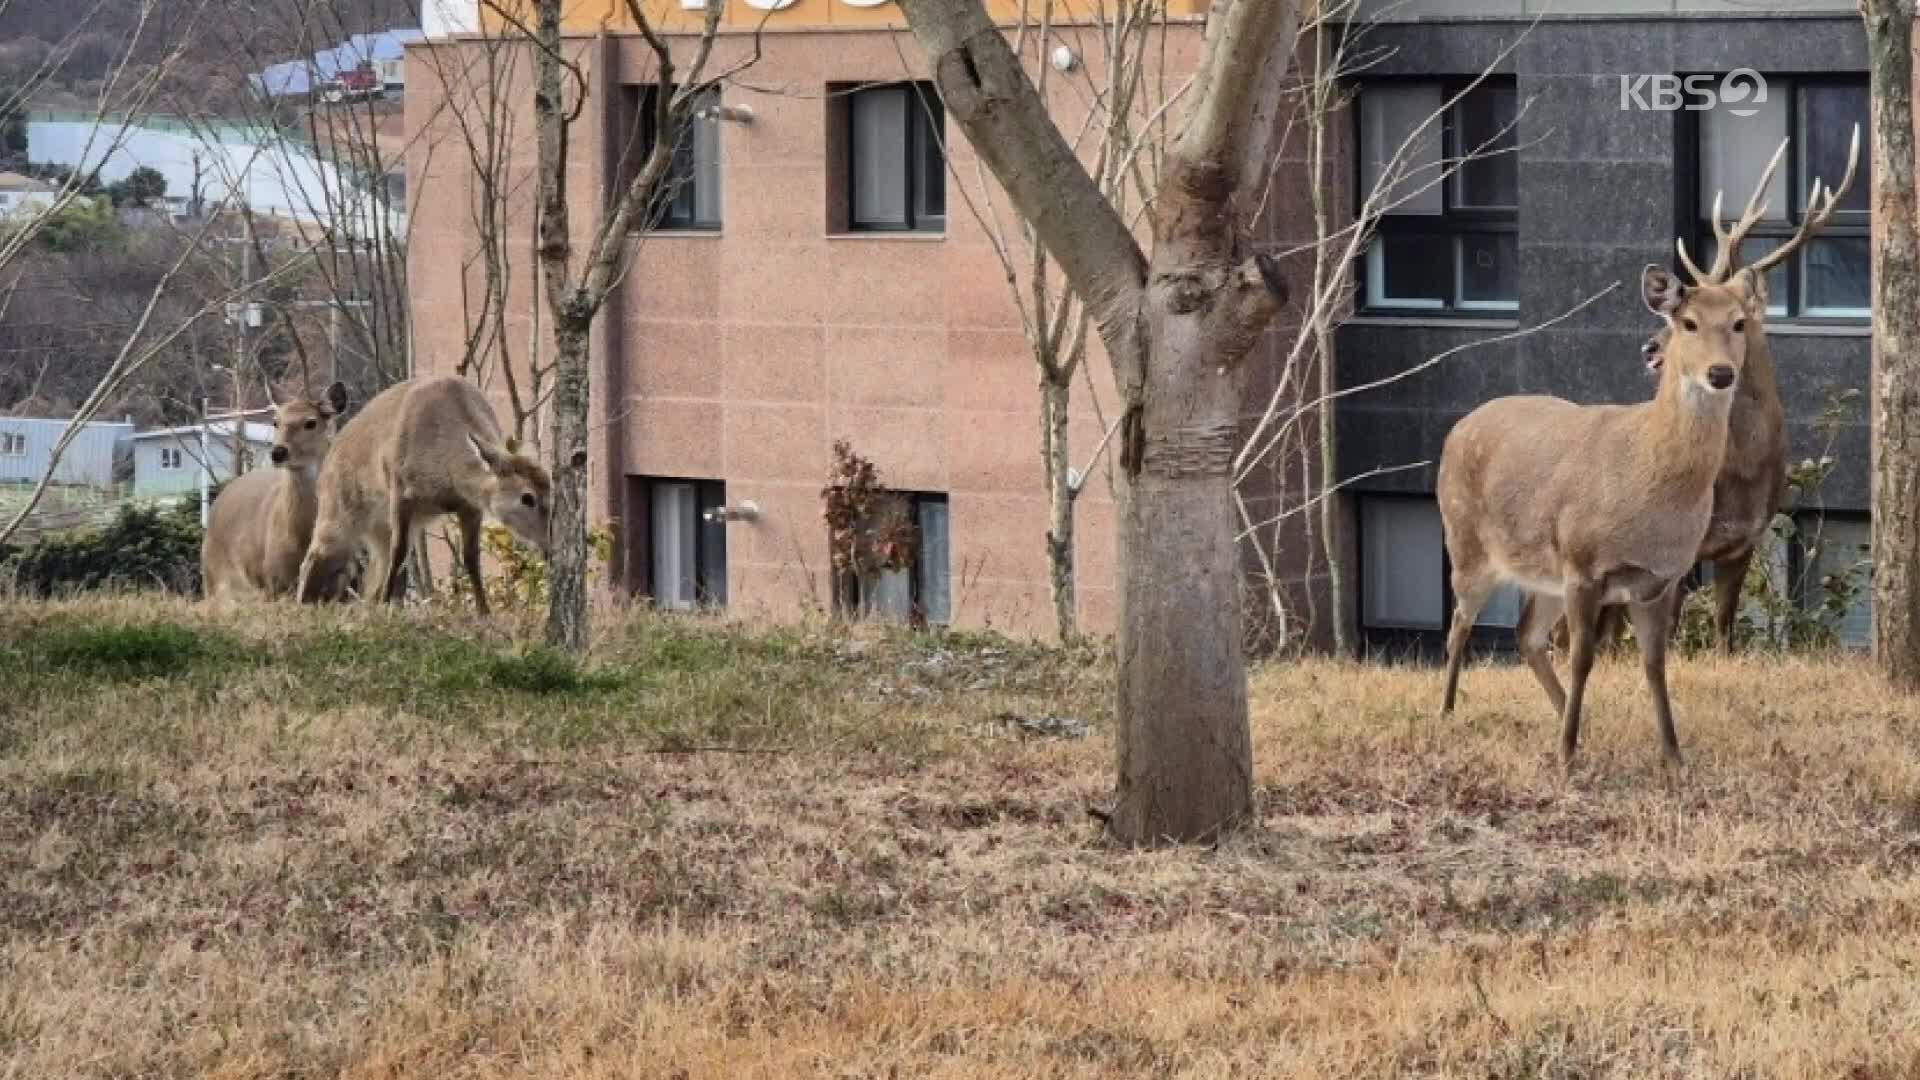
<point>1720,376</point>
<point>279,455</point>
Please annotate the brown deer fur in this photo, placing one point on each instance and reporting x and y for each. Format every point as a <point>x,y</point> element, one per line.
<point>421,448</point>
<point>258,527</point>
<point>1585,505</point>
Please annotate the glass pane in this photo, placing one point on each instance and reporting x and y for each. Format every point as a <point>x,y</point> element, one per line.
<point>1483,122</point>
<point>1502,609</point>
<point>1409,271</point>
<point>930,169</point>
<point>879,157</point>
<point>1489,270</point>
<point>1389,118</point>
<point>1843,549</point>
<point>1836,276</point>
<point>888,594</point>
<point>674,521</point>
<point>933,570</point>
<point>1734,151</point>
<point>1827,117</point>
<point>704,168</point>
<point>1752,248</point>
<point>1400,564</point>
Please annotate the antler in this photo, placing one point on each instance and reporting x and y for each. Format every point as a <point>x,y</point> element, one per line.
<point>1820,206</point>
<point>1727,257</point>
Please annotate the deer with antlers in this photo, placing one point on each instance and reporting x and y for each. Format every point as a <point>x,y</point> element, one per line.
<point>1582,506</point>
<point>1752,480</point>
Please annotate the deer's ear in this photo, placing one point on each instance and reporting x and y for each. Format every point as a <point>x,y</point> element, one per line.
<point>489,456</point>
<point>1754,285</point>
<point>336,399</point>
<point>1652,353</point>
<point>1661,290</point>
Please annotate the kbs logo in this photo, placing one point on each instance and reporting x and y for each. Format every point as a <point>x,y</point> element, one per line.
<point>1741,91</point>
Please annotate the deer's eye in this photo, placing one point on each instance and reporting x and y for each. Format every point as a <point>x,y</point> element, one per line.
<point>1739,326</point>
<point>311,424</point>
<point>528,500</point>
<point>1690,325</point>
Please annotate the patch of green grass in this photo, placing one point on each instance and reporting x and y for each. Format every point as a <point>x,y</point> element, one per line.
<point>544,670</point>
<point>134,651</point>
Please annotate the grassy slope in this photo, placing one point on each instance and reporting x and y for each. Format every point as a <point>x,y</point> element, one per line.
<point>297,843</point>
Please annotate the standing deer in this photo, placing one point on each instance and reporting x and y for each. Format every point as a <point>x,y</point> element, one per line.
<point>1586,505</point>
<point>420,448</point>
<point>258,528</point>
<point>1752,481</point>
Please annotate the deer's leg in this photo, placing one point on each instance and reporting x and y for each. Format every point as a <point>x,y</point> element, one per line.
<point>399,540</point>
<point>470,556</point>
<point>325,562</point>
<point>1583,615</point>
<point>1470,591</point>
<point>1653,625</point>
<point>1534,633</point>
<point>1729,575</point>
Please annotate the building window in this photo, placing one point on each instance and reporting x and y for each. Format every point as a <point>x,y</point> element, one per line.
<point>921,592</point>
<point>1404,573</point>
<point>896,165</point>
<point>13,444</point>
<point>686,544</point>
<point>1448,239</point>
<point>172,457</point>
<point>689,194</point>
<point>1827,278</point>
<point>1834,554</point>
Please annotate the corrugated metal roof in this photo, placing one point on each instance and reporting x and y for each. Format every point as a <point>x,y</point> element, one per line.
<point>219,429</point>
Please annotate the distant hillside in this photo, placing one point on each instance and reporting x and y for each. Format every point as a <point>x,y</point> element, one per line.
<point>220,42</point>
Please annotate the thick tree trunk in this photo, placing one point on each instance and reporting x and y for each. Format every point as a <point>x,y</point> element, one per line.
<point>1896,370</point>
<point>1185,753</point>
<point>1060,493</point>
<point>567,560</point>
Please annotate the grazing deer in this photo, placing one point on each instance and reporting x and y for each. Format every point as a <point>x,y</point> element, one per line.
<point>1586,505</point>
<point>258,528</point>
<point>420,448</point>
<point>1752,481</point>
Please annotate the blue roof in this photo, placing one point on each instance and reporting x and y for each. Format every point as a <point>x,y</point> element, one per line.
<point>299,76</point>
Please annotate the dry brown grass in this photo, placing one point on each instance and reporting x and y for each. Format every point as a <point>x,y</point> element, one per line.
<point>310,851</point>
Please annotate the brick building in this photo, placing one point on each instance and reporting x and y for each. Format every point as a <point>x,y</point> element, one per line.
<point>819,276</point>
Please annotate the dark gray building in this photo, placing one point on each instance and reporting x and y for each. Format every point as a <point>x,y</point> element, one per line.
<point>1614,157</point>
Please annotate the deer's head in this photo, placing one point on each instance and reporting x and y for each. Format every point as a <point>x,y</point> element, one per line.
<point>1706,326</point>
<point>303,429</point>
<point>521,495</point>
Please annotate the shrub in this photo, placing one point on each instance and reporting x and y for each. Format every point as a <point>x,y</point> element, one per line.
<point>144,547</point>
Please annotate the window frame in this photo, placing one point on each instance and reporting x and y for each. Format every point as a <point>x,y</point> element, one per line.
<point>1845,224</point>
<point>925,119</point>
<point>847,598</point>
<point>172,458</point>
<point>683,176</point>
<point>1800,574</point>
<point>1414,639</point>
<point>707,495</point>
<point>1452,222</point>
<point>13,444</point>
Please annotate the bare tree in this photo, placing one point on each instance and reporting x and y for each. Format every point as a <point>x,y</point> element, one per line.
<point>1177,325</point>
<point>577,283</point>
<point>1121,142</point>
<point>1896,365</point>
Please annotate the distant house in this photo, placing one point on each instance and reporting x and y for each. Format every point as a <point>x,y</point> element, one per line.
<point>169,461</point>
<point>26,446</point>
<point>382,53</point>
<point>24,194</point>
